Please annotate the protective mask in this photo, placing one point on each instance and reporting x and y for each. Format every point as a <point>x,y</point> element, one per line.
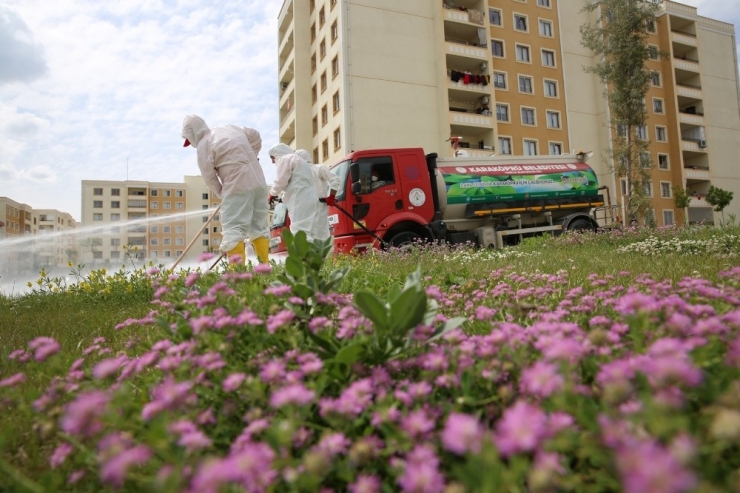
<point>375,178</point>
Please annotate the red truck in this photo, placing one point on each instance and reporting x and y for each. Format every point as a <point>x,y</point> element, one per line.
<point>393,197</point>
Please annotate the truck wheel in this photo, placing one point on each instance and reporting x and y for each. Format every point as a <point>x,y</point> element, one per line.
<point>580,225</point>
<point>405,239</point>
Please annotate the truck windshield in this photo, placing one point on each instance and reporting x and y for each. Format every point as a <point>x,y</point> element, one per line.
<point>341,171</point>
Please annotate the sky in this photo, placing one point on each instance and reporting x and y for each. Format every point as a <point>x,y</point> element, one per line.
<point>93,90</point>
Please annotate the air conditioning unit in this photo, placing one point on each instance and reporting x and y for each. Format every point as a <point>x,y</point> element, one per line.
<point>702,143</point>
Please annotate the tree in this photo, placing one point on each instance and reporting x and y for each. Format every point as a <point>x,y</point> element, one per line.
<point>92,245</point>
<point>719,199</point>
<point>682,199</point>
<point>619,36</point>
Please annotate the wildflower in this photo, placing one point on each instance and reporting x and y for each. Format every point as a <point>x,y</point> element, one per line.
<point>233,381</point>
<point>646,467</point>
<point>365,483</point>
<point>462,434</point>
<point>108,367</point>
<point>44,347</point>
<point>262,269</point>
<point>292,394</point>
<point>421,472</point>
<point>114,471</point>
<point>13,380</point>
<point>76,476</point>
<point>521,428</point>
<point>283,317</point>
<point>417,423</point>
<point>81,415</point>
<point>194,440</point>
<point>272,371</point>
<point>541,380</point>
<point>333,444</point>
<point>60,455</point>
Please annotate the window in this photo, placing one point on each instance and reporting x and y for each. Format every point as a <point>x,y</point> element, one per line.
<point>153,193</point>
<point>551,88</point>
<point>153,229</point>
<point>548,58</point>
<point>322,17</point>
<point>179,229</point>
<point>663,161</point>
<point>97,217</point>
<point>660,134</point>
<point>527,116</point>
<point>204,196</point>
<point>623,183</point>
<point>166,241</point>
<point>115,242</point>
<point>525,84</point>
<point>645,161</point>
<point>324,115</point>
<point>499,80</point>
<point>97,255</point>
<point>522,53</point>
<point>520,22</point>
<point>178,205</point>
<point>178,193</point>
<point>335,66</point>
<point>653,52</point>
<point>655,79</point>
<point>530,147</point>
<point>313,63</point>
<point>641,132</point>
<point>205,243</point>
<point>323,82</point>
<point>166,229</point>
<point>97,191</point>
<point>494,17</point>
<point>115,217</point>
<point>115,192</point>
<point>337,139</point>
<point>658,106</point>
<point>650,26</point>
<point>497,48</point>
<point>314,93</point>
<point>649,188</point>
<point>335,102</point>
<point>316,155</point>
<point>98,204</point>
<point>322,49</point>
<point>668,218</point>
<point>553,119</point>
<point>166,205</point>
<point>543,3</point>
<point>325,149</point>
<point>179,241</point>
<point>504,145</point>
<point>556,148</point>
<point>154,205</point>
<point>665,189</point>
<point>153,242</point>
<point>315,125</point>
<point>545,28</point>
<point>313,32</point>
<point>502,112</point>
<point>334,31</point>
<point>168,193</point>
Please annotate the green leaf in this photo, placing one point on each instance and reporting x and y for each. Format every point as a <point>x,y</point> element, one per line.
<point>350,355</point>
<point>373,308</point>
<point>450,325</point>
<point>294,267</point>
<point>408,310</point>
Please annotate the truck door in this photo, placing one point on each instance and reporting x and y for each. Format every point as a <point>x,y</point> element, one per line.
<point>375,191</point>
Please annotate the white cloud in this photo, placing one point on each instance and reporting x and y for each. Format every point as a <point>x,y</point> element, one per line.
<point>21,58</point>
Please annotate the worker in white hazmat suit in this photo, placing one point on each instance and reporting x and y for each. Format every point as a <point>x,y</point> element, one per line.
<point>326,184</point>
<point>227,158</point>
<point>295,181</point>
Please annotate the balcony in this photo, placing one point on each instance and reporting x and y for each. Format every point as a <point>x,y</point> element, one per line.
<point>693,146</point>
<point>470,119</point>
<point>699,202</point>
<point>688,93</point>
<point>287,130</point>
<point>459,48</point>
<point>286,49</point>
<point>696,174</point>
<point>683,38</point>
<point>696,119</point>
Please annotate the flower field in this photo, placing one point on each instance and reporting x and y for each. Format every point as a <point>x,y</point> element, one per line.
<point>581,363</point>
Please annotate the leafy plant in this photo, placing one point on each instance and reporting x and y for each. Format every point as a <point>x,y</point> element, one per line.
<point>719,199</point>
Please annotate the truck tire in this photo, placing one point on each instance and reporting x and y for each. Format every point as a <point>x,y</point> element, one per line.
<point>405,239</point>
<point>581,225</point>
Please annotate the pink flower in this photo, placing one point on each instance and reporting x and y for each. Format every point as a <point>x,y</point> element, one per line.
<point>262,269</point>
<point>233,381</point>
<point>417,423</point>
<point>462,434</point>
<point>13,380</point>
<point>60,455</point>
<point>646,467</point>
<point>541,380</point>
<point>292,394</point>
<point>81,415</point>
<point>114,470</point>
<point>44,347</point>
<point>280,319</point>
<point>108,367</point>
<point>365,484</point>
<point>333,444</point>
<point>521,428</point>
<point>421,472</point>
<point>194,440</point>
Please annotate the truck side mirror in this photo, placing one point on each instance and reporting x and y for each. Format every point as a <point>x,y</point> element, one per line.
<point>356,187</point>
<point>354,172</point>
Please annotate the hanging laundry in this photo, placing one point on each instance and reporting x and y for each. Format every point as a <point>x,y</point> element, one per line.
<point>455,75</point>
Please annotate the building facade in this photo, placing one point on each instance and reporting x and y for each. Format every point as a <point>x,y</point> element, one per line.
<point>506,77</point>
<point>141,221</point>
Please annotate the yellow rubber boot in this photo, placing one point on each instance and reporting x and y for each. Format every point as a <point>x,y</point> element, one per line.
<point>239,249</point>
<point>261,249</point>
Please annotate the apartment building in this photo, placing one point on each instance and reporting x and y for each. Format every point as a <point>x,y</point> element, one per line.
<point>143,220</point>
<point>506,77</point>
<point>35,238</point>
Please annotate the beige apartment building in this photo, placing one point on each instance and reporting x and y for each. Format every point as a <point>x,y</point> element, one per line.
<point>34,238</point>
<point>506,77</point>
<point>140,220</point>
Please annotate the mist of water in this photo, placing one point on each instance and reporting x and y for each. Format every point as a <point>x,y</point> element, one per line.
<point>23,257</point>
